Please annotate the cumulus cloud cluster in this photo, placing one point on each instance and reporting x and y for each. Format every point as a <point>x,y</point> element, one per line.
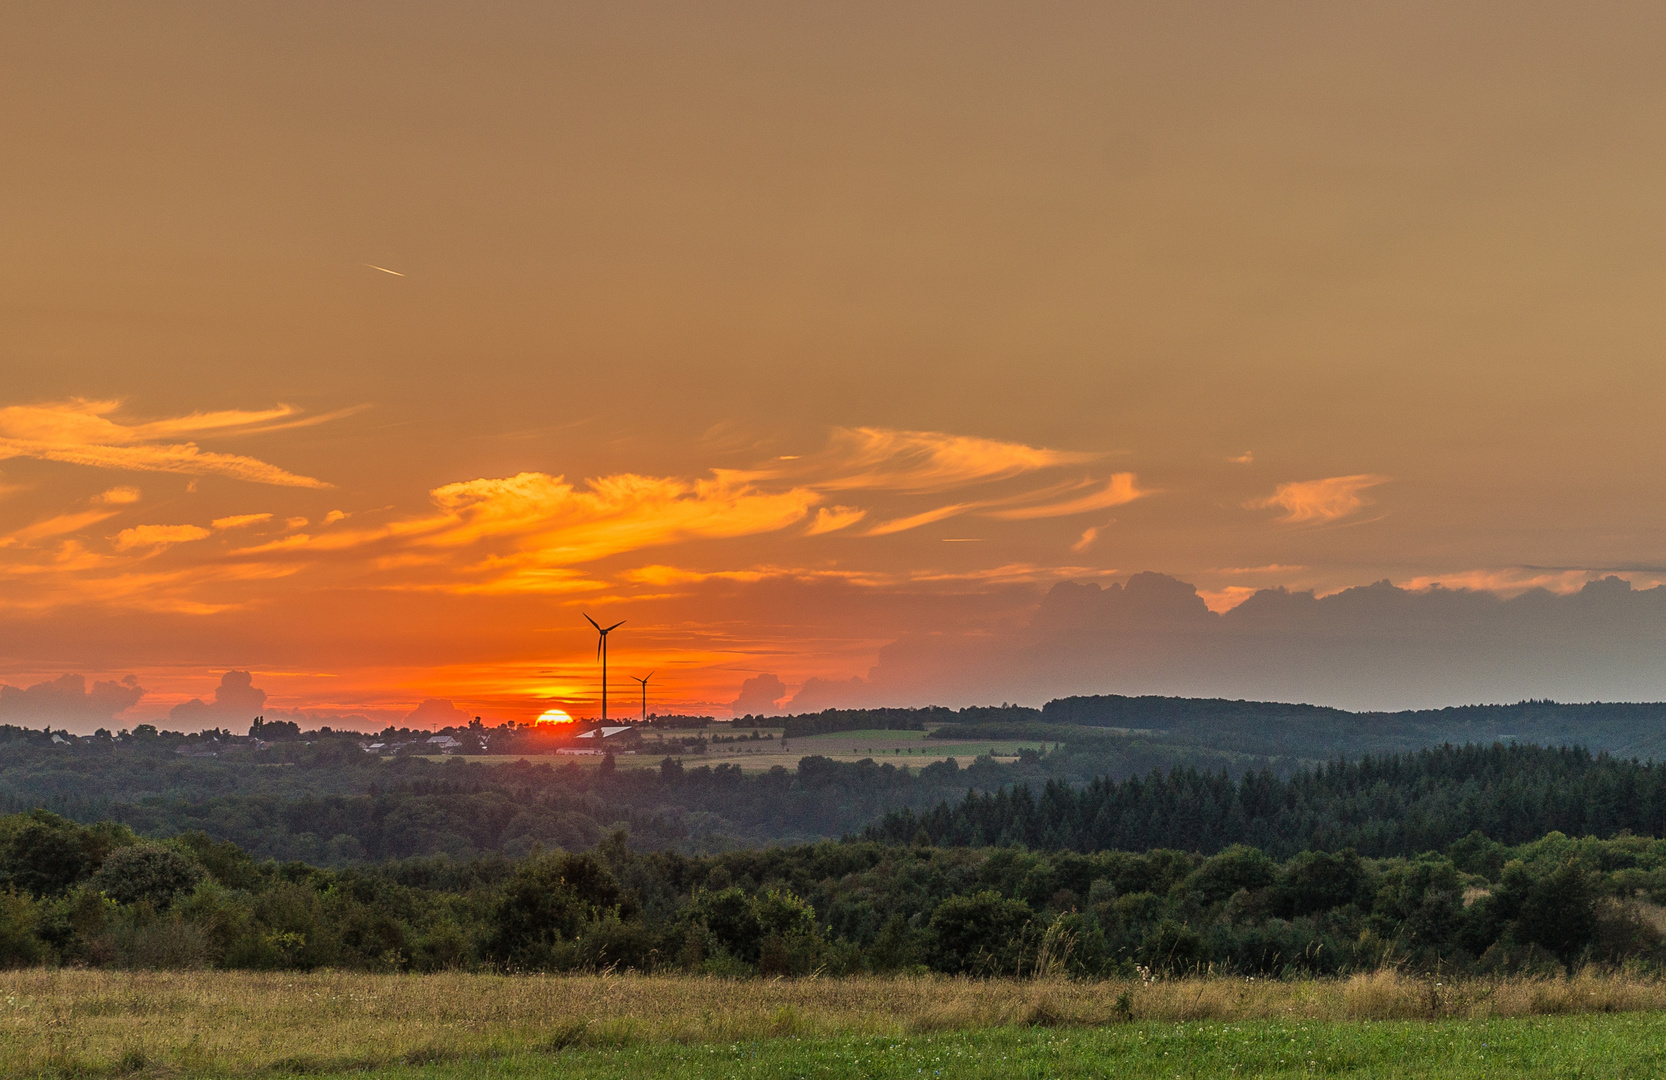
<point>1376,646</point>
<point>435,713</point>
<point>237,701</point>
<point>759,696</point>
<point>68,702</point>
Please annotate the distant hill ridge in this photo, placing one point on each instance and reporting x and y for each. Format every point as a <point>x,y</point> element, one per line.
<point>1274,728</point>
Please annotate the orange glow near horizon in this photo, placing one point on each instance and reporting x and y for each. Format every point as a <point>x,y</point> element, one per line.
<point>554,716</point>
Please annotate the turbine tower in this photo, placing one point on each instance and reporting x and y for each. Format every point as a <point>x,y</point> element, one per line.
<point>643,679</point>
<point>601,654</point>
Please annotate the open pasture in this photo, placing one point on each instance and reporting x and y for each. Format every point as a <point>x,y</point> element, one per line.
<point>100,1023</point>
<point>910,748</point>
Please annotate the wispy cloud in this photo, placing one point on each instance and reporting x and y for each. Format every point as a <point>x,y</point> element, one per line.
<point>833,518</point>
<point>72,575</point>
<point>57,525</point>
<point>238,521</point>
<point>1121,488</point>
<point>83,432</point>
<point>158,536</point>
<point>567,524</point>
<point>1319,500</point>
<point>914,521</point>
<point>532,525</point>
<point>660,575</point>
<point>1011,574</point>
<point>921,462</point>
<point>1507,581</point>
<point>531,532</point>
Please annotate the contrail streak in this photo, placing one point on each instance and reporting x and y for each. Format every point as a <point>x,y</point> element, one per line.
<point>384,270</point>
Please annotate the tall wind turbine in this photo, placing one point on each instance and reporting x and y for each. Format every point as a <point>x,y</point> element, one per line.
<point>601,654</point>
<point>643,679</point>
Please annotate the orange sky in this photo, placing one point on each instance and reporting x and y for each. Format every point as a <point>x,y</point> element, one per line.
<point>788,331</point>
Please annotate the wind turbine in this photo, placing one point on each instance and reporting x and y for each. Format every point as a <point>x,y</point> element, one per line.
<point>601,654</point>
<point>643,679</point>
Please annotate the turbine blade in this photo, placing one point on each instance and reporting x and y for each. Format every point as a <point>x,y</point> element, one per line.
<point>592,622</point>
<point>614,627</point>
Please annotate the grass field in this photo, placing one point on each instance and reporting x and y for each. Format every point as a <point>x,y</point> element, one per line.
<point>910,748</point>
<point>222,1024</point>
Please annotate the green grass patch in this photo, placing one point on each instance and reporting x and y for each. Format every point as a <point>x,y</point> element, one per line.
<point>1628,1045</point>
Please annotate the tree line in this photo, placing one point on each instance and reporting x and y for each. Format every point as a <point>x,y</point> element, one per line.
<point>102,895</point>
<point>1393,804</point>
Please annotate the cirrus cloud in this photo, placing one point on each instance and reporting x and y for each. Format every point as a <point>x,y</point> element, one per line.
<point>530,532</point>
<point>1121,488</point>
<point>1319,500</point>
<point>83,432</point>
<point>158,536</point>
<point>921,462</point>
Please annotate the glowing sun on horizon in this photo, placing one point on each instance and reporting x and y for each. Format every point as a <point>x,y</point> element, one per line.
<point>555,716</point>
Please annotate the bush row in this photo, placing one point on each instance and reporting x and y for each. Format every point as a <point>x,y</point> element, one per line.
<point>103,895</point>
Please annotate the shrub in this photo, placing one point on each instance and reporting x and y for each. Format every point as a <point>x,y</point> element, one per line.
<point>1556,911</point>
<point>45,855</point>
<point>731,919</point>
<point>548,902</point>
<point>19,916</point>
<point>981,934</point>
<point>1238,867</point>
<point>1315,881</point>
<point>1172,948</point>
<point>147,871</point>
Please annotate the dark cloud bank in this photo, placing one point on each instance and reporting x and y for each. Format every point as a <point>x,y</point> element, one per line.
<point>1374,647</point>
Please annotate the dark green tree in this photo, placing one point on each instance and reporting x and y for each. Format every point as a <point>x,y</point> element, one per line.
<point>147,871</point>
<point>981,934</point>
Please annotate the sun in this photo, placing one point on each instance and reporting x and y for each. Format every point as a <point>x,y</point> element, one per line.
<point>555,716</point>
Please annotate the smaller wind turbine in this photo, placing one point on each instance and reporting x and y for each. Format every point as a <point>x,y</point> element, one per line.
<point>643,679</point>
<point>601,654</point>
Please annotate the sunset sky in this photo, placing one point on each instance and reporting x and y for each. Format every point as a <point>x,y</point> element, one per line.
<point>364,348</point>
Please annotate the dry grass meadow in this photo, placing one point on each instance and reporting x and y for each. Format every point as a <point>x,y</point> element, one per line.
<point>91,1023</point>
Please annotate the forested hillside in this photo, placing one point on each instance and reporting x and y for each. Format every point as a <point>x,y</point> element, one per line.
<point>1114,772</point>
<point>1392,805</point>
<point>1117,774</point>
<point>330,803</point>
<point>1119,737</point>
<point>1312,731</point>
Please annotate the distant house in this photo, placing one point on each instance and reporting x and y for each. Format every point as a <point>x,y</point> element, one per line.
<point>614,739</point>
<point>60,739</point>
<point>445,744</point>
